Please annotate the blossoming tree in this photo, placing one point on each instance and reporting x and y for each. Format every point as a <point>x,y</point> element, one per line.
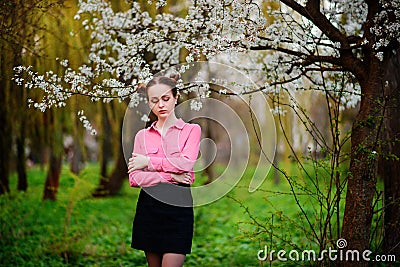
<point>309,43</point>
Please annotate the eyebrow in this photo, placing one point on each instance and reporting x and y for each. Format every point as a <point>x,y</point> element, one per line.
<point>154,97</point>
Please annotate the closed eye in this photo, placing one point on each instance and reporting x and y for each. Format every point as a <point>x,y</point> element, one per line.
<point>155,100</point>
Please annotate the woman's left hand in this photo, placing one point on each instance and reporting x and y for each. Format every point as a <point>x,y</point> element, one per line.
<point>184,178</point>
<point>137,162</point>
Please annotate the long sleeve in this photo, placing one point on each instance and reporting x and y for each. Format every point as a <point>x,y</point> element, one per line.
<point>182,161</point>
<point>143,178</point>
<point>140,178</point>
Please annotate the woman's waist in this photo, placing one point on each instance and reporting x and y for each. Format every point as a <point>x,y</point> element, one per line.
<point>171,194</point>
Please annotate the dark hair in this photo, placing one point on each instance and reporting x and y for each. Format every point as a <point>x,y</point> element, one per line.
<point>170,81</point>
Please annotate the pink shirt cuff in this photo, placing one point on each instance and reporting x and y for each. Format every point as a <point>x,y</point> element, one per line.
<point>141,178</point>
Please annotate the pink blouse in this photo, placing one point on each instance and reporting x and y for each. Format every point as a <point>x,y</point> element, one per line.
<point>176,152</point>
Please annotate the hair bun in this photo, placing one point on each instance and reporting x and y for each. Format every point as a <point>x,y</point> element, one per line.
<point>174,76</point>
<point>141,88</point>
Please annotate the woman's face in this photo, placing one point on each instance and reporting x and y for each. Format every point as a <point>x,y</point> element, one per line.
<point>161,100</point>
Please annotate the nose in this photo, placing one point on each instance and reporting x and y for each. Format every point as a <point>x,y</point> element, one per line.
<point>161,103</point>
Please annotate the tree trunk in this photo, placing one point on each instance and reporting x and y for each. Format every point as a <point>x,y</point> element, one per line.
<point>77,156</point>
<point>361,184</point>
<point>5,129</point>
<point>209,170</point>
<point>119,175</point>
<point>106,151</point>
<point>53,177</point>
<point>110,186</point>
<point>54,137</point>
<point>390,159</point>
<point>20,113</point>
<point>21,160</point>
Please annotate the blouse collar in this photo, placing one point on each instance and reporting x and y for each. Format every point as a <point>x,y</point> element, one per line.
<point>178,124</point>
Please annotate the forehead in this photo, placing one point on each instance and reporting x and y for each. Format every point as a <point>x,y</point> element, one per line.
<point>159,90</point>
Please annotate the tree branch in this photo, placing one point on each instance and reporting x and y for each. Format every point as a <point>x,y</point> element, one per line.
<point>307,59</point>
<point>312,12</point>
<point>279,49</point>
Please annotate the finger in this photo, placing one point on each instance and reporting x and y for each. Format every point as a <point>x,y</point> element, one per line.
<point>132,169</point>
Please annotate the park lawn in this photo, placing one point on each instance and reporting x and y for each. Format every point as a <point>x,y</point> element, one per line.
<point>79,230</point>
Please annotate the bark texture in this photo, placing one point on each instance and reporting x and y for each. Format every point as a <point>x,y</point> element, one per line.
<point>5,129</point>
<point>53,177</point>
<point>54,138</point>
<point>111,185</point>
<point>390,160</point>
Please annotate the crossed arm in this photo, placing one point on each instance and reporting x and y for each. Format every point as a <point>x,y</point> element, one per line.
<point>150,170</point>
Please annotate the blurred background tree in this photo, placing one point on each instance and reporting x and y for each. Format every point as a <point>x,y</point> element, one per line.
<point>347,50</point>
<point>21,30</point>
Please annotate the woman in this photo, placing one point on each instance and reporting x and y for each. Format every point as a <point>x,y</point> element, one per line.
<point>162,161</point>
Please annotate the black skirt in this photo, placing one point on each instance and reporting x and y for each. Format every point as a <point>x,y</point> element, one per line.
<point>164,220</point>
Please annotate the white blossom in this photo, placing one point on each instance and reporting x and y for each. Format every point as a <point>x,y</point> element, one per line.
<point>379,55</point>
<point>64,63</point>
<point>145,118</point>
<point>86,123</point>
<point>119,41</point>
<point>278,110</point>
<point>195,105</point>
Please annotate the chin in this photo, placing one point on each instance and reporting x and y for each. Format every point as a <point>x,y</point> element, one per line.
<point>163,115</point>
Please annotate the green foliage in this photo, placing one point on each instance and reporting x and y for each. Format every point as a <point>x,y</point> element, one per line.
<point>79,230</point>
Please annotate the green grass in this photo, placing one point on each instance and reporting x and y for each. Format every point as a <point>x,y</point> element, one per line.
<point>79,230</point>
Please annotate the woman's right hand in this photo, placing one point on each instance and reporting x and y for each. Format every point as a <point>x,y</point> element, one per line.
<point>184,178</point>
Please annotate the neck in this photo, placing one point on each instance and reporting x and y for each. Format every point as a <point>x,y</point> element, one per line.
<point>166,123</point>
